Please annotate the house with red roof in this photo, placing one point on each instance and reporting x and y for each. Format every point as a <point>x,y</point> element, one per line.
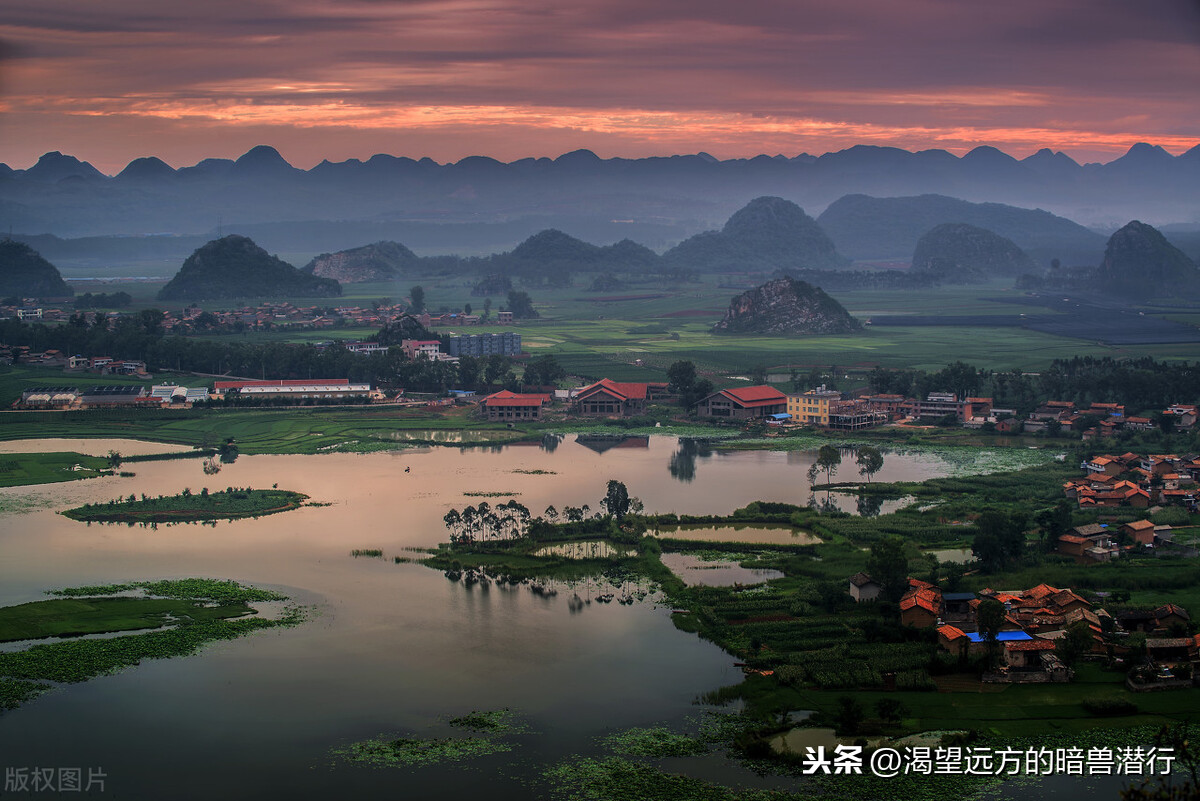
<point>608,398</point>
<point>921,605</point>
<point>1139,531</point>
<point>743,403</point>
<point>1027,654</point>
<point>506,406</point>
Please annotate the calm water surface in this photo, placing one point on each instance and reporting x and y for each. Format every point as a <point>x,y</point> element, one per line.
<point>391,648</point>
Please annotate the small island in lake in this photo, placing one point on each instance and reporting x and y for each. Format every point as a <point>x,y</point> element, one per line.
<point>229,504</point>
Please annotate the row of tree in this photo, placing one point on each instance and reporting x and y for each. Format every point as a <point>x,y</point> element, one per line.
<point>512,520</point>
<point>1139,384</point>
<point>868,458</point>
<point>141,337</point>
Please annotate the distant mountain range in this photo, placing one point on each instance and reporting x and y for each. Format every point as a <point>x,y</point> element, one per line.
<point>655,201</point>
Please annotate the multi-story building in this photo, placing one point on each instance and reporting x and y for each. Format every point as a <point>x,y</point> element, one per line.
<point>505,343</point>
<point>505,405</point>
<point>812,407</point>
<point>422,348</point>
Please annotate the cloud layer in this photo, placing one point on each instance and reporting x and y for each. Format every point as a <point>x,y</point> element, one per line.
<point>449,78</point>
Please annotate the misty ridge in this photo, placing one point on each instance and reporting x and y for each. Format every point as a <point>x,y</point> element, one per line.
<point>872,202</point>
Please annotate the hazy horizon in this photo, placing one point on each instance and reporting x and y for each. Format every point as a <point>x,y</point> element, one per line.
<point>1019,155</point>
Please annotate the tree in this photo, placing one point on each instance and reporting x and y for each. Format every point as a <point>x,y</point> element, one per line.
<point>205,321</point>
<point>1000,538</point>
<point>417,296</point>
<point>954,576</point>
<point>1165,422</point>
<point>228,451</point>
<point>520,305</point>
<point>1076,643</point>
<point>487,308</point>
<point>544,371</point>
<point>831,594</point>
<point>828,459</point>
<point>888,566</point>
<point>495,368</point>
<point>849,715</point>
<point>961,378</point>
<point>890,710</point>
<point>682,377</point>
<point>990,619</point>
<point>616,500</point>
<point>1054,522</point>
<point>151,321</point>
<point>468,372</point>
<point>870,461</point>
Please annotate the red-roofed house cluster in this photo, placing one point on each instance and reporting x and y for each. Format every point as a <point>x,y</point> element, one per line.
<point>1034,621</point>
<point>605,398</point>
<point>1108,418</point>
<point>1137,480</point>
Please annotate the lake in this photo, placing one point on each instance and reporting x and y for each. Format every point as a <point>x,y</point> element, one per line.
<point>391,648</point>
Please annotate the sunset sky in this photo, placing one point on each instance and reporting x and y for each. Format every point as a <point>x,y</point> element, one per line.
<point>108,82</point>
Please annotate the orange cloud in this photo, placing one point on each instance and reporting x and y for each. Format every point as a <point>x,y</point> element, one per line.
<point>738,133</point>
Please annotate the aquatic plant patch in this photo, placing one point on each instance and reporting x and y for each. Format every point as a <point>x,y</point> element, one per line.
<point>384,752</point>
<point>656,741</point>
<point>229,504</point>
<point>495,722</point>
<point>617,779</point>
<point>204,611</point>
<point>200,589</point>
<point>488,730</point>
<point>68,617</point>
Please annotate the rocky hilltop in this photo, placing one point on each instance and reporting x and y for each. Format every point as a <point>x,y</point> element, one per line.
<point>769,233</point>
<point>25,274</point>
<point>379,261</point>
<point>962,253</point>
<point>235,267</point>
<point>786,306</point>
<point>1140,263</point>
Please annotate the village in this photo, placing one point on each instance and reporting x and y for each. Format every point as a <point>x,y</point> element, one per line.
<point>1031,635</point>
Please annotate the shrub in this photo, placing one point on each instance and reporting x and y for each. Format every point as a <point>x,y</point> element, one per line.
<point>1107,707</point>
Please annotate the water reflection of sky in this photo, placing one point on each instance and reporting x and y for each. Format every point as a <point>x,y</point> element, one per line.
<point>694,571</point>
<point>392,647</point>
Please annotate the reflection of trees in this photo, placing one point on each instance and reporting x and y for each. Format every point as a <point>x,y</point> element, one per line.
<point>825,505</point>
<point>869,505</point>
<point>550,442</point>
<point>683,462</point>
<point>615,583</point>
